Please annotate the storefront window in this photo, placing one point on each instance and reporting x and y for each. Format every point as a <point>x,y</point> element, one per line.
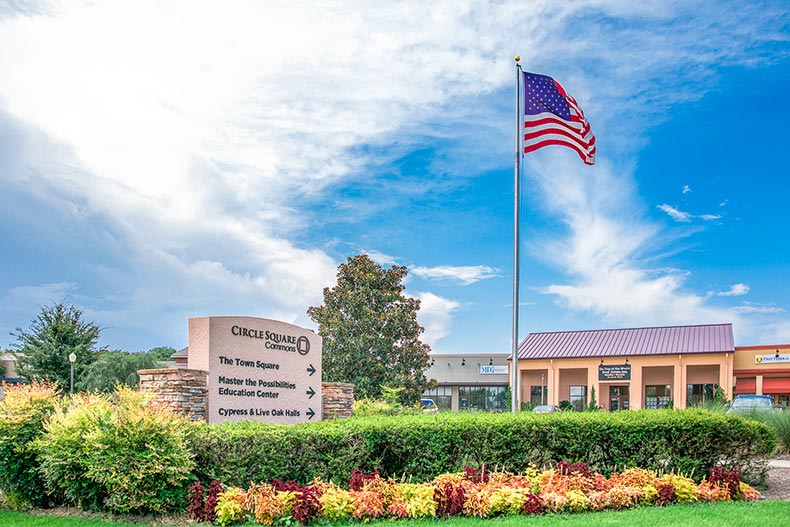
<point>442,396</point>
<point>538,395</point>
<point>658,396</point>
<point>699,393</point>
<point>578,397</point>
<point>481,398</point>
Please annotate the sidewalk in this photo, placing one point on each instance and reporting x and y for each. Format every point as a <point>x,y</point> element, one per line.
<point>779,463</point>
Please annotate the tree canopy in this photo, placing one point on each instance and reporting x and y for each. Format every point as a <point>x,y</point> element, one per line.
<point>112,368</point>
<point>43,350</point>
<point>370,331</point>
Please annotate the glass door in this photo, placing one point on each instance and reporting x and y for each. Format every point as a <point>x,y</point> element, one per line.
<point>618,398</point>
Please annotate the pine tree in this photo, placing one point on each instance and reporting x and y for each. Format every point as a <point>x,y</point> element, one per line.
<point>43,351</point>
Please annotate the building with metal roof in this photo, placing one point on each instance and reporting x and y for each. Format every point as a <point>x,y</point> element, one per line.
<point>654,367</point>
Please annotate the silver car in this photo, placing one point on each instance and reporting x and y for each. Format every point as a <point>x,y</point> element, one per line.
<point>743,404</point>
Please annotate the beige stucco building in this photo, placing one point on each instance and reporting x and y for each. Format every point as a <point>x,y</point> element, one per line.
<point>628,368</point>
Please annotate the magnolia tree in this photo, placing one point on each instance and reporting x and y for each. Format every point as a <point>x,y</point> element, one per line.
<point>370,331</point>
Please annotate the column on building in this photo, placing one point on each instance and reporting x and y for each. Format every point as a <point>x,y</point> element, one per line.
<point>679,387</point>
<point>592,382</point>
<point>636,387</point>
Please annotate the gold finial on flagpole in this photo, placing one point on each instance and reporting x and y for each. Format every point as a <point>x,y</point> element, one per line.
<point>518,58</point>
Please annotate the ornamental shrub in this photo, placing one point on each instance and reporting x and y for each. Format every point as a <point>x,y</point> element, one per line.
<point>367,504</point>
<point>23,412</point>
<point>450,494</point>
<point>730,479</point>
<point>507,500</point>
<point>503,494</point>
<point>533,504</point>
<point>666,494</point>
<point>304,502</point>
<point>231,506</point>
<point>121,453</point>
<point>267,503</point>
<point>578,501</point>
<point>335,504</point>
<point>685,488</point>
<point>201,504</point>
<point>417,500</point>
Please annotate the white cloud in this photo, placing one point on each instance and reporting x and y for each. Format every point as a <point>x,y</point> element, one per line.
<point>685,217</point>
<point>676,214</point>
<point>735,290</point>
<point>777,333</point>
<point>608,252</point>
<point>709,217</point>
<point>380,258</point>
<point>757,309</point>
<point>686,189</point>
<point>461,275</point>
<point>435,315</point>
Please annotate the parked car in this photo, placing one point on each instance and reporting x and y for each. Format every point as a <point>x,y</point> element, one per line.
<point>743,404</point>
<point>429,406</point>
<point>545,409</point>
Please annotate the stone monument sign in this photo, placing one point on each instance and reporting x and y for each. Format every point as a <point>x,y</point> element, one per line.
<point>258,369</point>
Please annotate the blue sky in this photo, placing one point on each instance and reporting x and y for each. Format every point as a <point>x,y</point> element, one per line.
<point>164,160</point>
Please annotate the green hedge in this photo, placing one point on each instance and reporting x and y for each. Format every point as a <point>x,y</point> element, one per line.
<point>424,446</point>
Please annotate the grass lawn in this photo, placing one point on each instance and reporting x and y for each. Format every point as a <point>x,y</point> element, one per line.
<point>739,514</point>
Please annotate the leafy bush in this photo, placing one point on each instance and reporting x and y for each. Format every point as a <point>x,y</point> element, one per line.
<point>121,453</point>
<point>23,412</point>
<point>422,446</point>
<point>65,449</point>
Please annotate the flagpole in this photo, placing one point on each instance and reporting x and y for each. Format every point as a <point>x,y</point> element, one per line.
<point>516,219</point>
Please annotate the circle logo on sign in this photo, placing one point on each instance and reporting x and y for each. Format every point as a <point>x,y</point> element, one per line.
<point>302,345</point>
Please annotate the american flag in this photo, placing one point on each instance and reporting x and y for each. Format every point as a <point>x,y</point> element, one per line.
<point>552,117</point>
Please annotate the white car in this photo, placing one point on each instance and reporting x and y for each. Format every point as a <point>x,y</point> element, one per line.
<point>429,406</point>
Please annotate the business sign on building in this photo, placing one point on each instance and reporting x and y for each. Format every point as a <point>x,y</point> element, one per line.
<point>768,359</point>
<point>493,370</point>
<point>616,372</point>
<point>258,369</point>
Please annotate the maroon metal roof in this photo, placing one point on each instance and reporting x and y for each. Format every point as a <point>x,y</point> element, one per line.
<point>632,342</point>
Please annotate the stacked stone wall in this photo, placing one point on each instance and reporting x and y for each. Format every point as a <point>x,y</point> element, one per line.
<point>180,389</point>
<point>338,400</point>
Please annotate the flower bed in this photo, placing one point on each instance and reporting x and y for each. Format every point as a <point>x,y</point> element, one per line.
<point>475,493</point>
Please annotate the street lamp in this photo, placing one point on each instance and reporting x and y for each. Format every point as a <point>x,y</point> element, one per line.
<point>72,358</point>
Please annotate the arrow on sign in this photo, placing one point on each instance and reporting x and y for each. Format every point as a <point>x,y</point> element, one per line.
<point>311,369</point>
<point>310,412</point>
<point>310,392</point>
